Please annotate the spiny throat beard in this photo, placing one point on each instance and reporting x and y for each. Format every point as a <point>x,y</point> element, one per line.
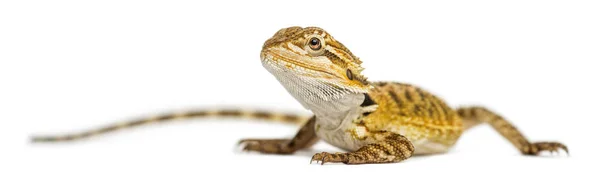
<point>311,91</point>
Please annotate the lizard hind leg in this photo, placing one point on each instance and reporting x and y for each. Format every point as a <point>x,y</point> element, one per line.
<point>475,115</point>
<point>390,148</point>
<point>305,138</point>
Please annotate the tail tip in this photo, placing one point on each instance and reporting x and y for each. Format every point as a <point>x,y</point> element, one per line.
<point>39,139</point>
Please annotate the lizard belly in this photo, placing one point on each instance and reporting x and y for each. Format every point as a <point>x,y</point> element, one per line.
<point>425,146</point>
<point>350,140</point>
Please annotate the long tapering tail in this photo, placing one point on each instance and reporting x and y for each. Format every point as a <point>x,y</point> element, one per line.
<point>296,119</point>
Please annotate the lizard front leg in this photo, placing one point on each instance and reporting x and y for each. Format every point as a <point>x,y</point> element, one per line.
<point>389,147</point>
<point>305,137</point>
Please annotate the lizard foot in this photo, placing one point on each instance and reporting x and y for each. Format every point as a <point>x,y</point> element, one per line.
<point>331,158</point>
<point>391,148</point>
<point>268,146</point>
<point>536,148</point>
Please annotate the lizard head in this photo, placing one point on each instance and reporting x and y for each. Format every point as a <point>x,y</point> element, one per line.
<point>312,65</point>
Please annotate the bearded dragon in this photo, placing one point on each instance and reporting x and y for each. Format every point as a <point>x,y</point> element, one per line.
<point>375,122</point>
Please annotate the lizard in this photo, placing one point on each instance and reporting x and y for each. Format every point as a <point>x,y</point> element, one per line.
<point>374,122</point>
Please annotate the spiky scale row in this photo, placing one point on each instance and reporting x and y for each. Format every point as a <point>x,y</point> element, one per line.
<point>396,120</point>
<point>405,110</point>
<point>412,112</point>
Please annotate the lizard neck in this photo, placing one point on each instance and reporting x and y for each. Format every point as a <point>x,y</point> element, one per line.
<point>332,115</point>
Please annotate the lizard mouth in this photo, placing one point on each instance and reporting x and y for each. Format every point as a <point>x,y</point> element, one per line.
<point>301,65</point>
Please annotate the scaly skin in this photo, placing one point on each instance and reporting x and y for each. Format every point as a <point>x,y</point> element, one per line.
<point>390,123</point>
<point>376,122</point>
<point>224,113</point>
<point>414,113</point>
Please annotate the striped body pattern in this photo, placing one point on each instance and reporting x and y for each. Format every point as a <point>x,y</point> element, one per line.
<point>414,113</point>
<point>376,122</point>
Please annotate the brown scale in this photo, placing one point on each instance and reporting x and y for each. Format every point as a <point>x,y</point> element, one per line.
<point>404,113</point>
<point>402,105</point>
<point>407,108</point>
<point>389,147</point>
<point>305,138</point>
<point>477,115</point>
<point>224,113</point>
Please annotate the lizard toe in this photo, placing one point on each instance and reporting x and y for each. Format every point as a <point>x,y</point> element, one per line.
<point>538,147</point>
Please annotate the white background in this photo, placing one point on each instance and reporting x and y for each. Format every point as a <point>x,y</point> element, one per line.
<point>71,65</point>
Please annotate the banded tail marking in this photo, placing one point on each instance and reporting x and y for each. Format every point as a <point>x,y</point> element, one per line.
<point>296,119</point>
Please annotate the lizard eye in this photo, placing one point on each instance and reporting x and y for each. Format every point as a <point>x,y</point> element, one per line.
<point>314,43</point>
<point>349,74</point>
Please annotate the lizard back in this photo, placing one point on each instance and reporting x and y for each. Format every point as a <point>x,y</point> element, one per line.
<point>420,116</point>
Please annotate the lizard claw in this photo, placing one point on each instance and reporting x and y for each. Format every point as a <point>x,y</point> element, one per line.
<point>326,157</point>
<point>246,144</point>
<point>552,147</point>
<point>316,157</point>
